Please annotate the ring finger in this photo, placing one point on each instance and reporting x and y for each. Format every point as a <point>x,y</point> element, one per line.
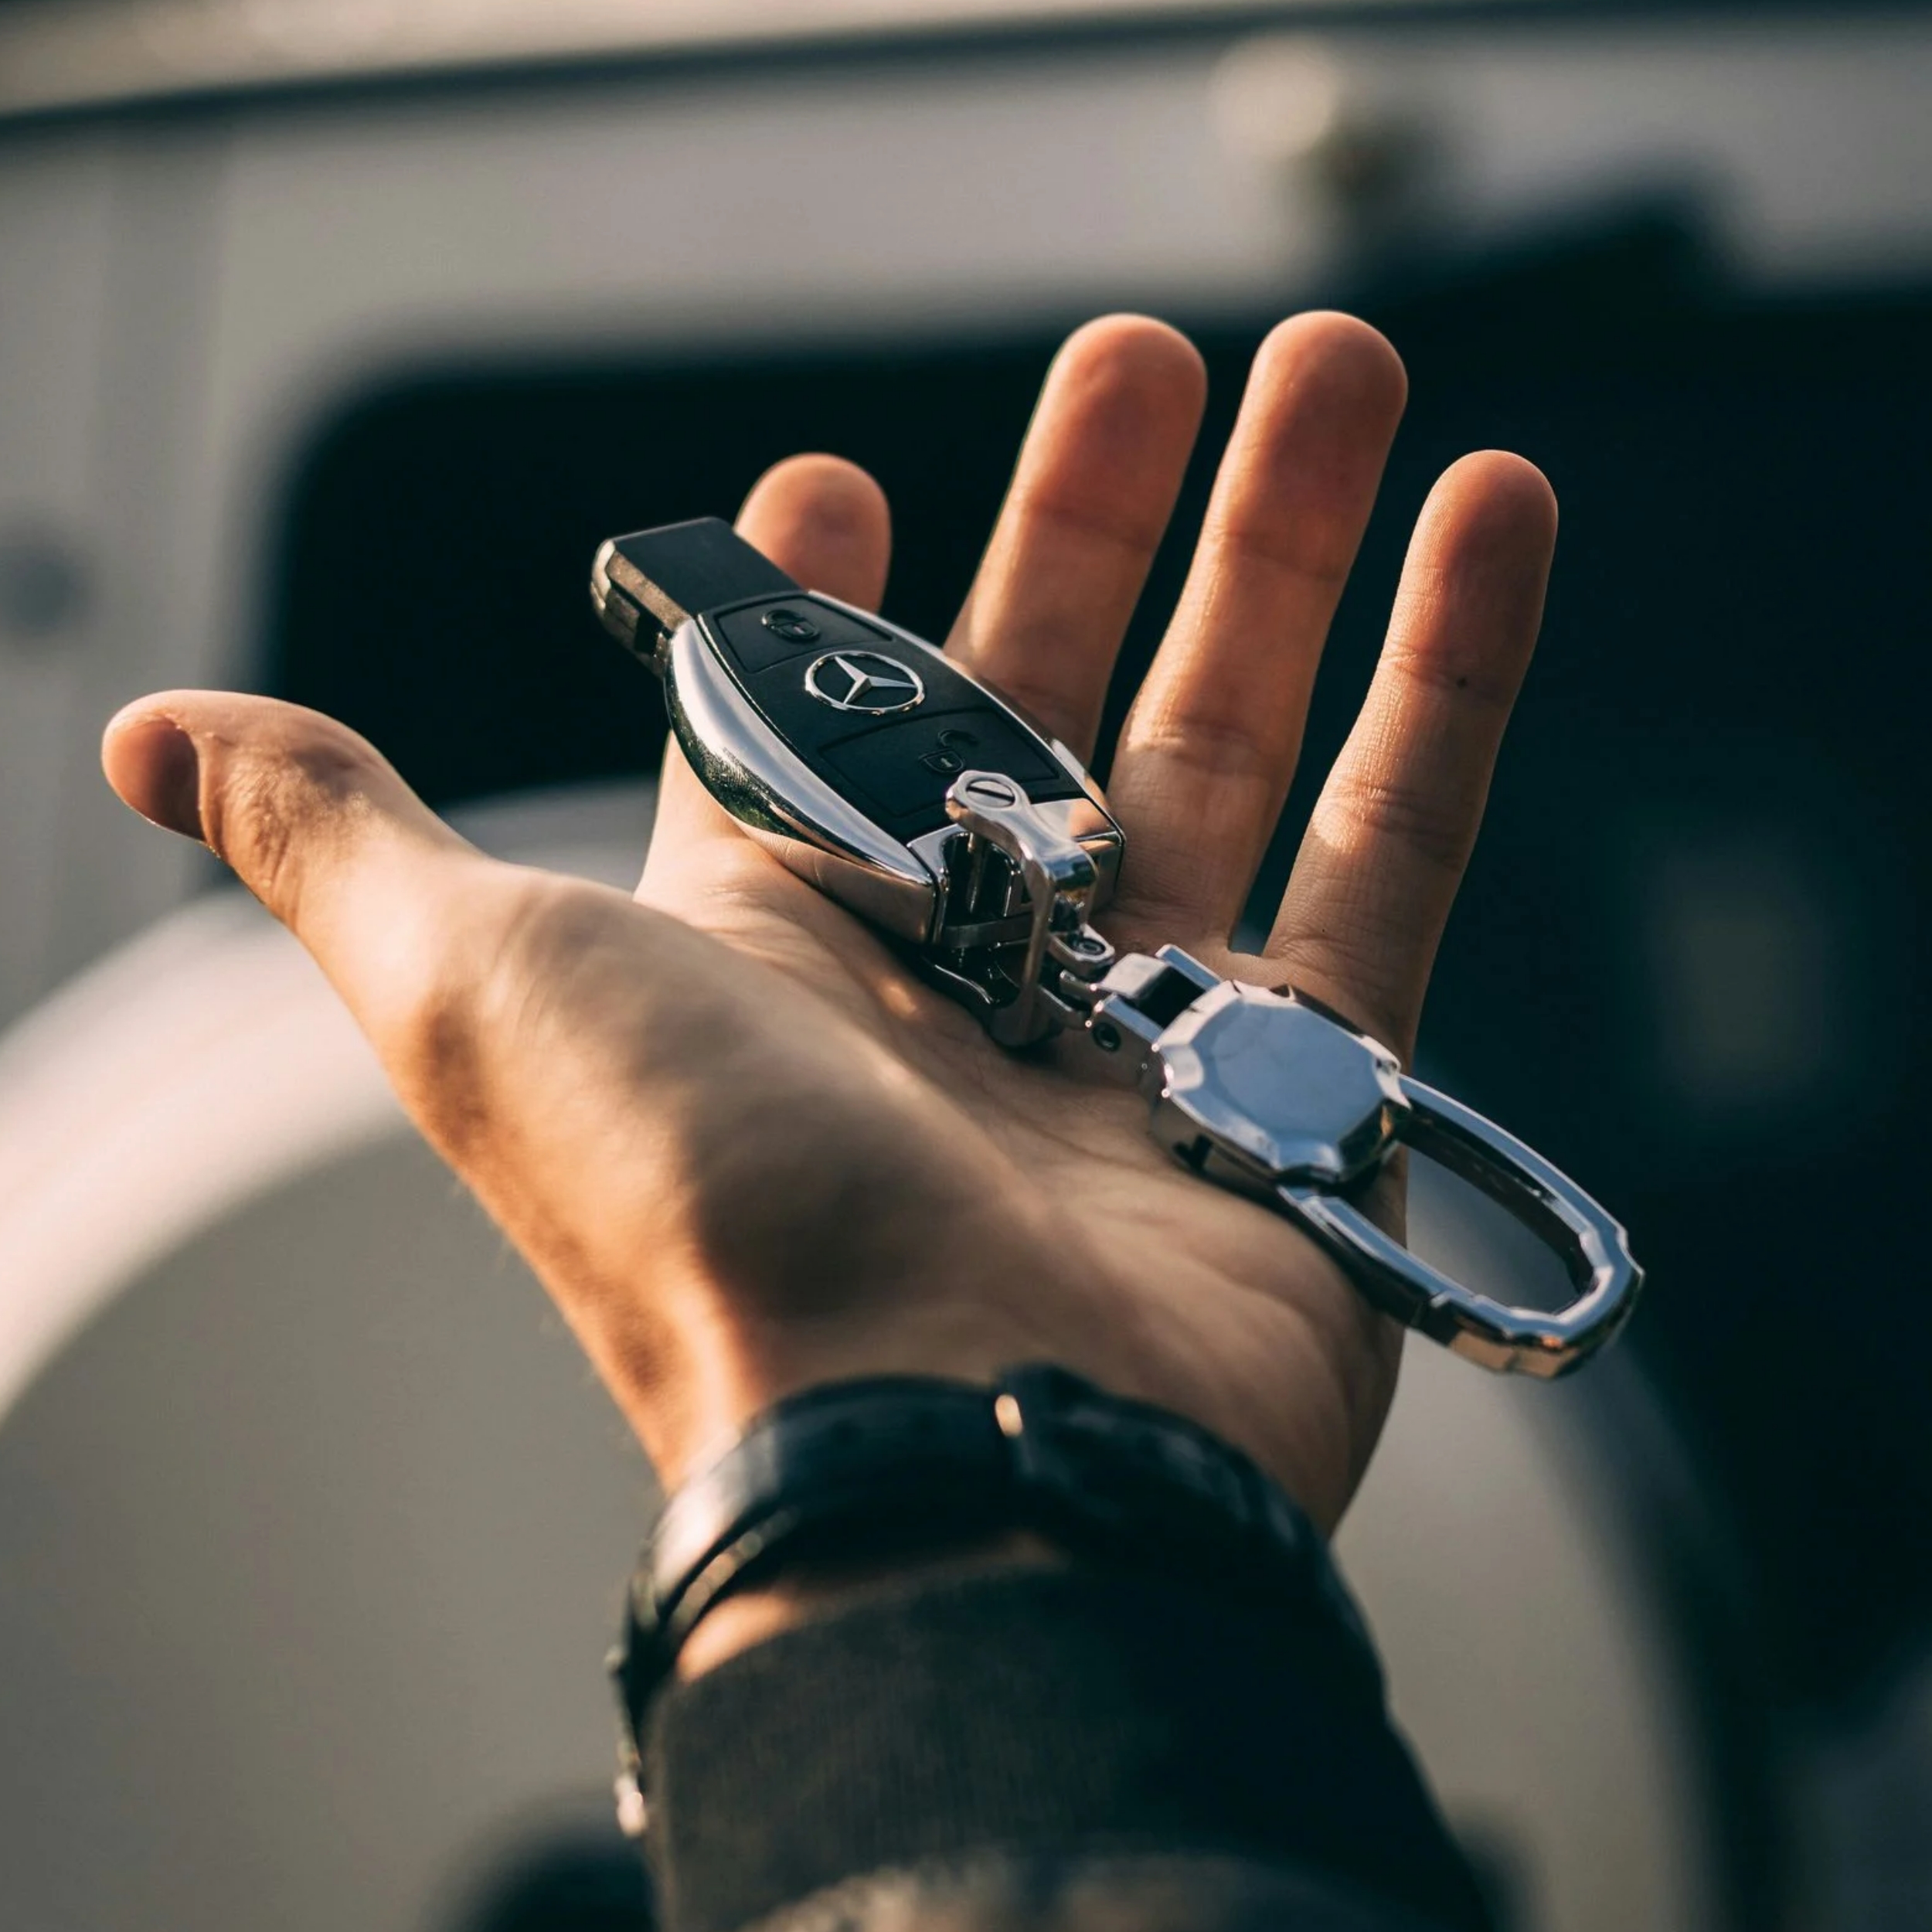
<point>1392,832</point>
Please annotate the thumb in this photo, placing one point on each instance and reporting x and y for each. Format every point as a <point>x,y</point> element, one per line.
<point>315,821</point>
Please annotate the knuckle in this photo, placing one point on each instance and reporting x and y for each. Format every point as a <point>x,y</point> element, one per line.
<point>247,828</point>
<point>1243,750</point>
<point>1351,967</point>
<point>1464,675</point>
<point>1428,829</point>
<point>1121,529</point>
<point>267,808</point>
<point>1043,703</point>
<point>1299,557</point>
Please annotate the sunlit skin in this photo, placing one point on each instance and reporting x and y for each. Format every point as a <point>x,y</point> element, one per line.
<point>744,1146</point>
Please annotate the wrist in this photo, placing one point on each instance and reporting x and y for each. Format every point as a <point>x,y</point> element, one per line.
<point>732,1368</point>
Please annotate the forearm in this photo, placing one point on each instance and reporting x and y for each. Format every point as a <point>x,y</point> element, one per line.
<point>1040,1745</point>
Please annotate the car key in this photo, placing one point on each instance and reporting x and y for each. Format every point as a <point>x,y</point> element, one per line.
<point>836,738</point>
<point>881,772</point>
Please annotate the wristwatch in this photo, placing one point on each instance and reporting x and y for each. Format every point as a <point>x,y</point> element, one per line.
<point>891,1467</point>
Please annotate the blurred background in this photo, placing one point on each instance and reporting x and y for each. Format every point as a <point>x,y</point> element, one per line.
<point>334,335</point>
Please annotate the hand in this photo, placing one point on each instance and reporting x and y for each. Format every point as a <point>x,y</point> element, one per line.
<point>746,1149</point>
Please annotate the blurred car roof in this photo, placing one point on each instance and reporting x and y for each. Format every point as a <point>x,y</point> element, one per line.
<point>58,56</point>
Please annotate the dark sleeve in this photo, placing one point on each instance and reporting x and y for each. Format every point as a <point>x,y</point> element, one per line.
<point>1044,1748</point>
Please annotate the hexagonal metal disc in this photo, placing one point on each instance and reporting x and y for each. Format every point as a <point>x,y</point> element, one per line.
<point>1304,1097</point>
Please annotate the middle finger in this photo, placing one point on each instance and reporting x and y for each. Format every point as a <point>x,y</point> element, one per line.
<point>1207,751</point>
<point>1095,485</point>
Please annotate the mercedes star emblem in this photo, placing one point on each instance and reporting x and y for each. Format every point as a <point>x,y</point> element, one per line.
<point>863,681</point>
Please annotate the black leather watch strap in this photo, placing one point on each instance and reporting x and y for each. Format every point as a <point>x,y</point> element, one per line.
<point>894,1465</point>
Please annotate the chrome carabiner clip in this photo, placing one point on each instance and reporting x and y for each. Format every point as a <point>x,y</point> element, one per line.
<point>1274,1094</point>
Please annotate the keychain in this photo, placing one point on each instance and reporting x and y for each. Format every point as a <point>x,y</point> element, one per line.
<point>878,770</point>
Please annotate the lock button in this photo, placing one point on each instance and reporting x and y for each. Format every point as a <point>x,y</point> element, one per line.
<point>757,636</point>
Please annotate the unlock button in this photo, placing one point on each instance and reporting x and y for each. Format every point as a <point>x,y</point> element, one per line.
<point>903,768</point>
<point>952,752</point>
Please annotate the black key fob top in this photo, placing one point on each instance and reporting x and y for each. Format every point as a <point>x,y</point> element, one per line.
<point>837,739</point>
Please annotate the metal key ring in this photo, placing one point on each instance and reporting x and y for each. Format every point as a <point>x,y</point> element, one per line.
<point>1274,1093</point>
<point>1592,1245</point>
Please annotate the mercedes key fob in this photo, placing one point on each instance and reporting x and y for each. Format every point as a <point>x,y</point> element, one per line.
<point>868,761</point>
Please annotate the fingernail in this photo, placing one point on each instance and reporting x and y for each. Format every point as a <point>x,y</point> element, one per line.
<point>174,797</point>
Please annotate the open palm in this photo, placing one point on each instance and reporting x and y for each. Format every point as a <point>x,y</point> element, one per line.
<point>745,1147</point>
